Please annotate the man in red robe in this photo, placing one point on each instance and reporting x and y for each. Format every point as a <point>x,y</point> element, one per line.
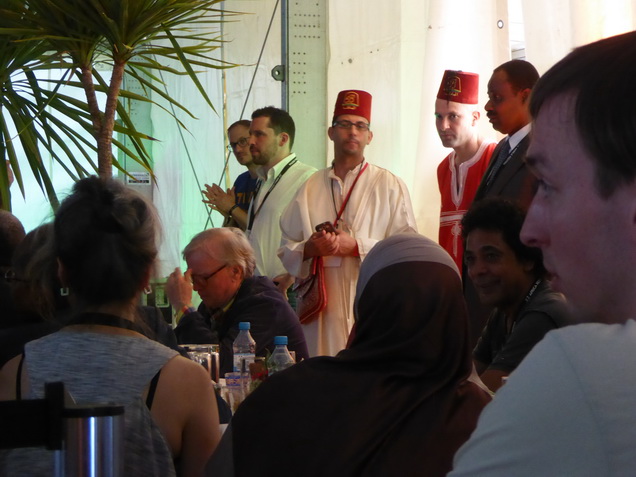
<point>459,174</point>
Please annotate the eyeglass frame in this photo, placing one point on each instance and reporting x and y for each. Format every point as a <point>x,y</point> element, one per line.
<point>203,280</point>
<point>346,124</point>
<point>244,141</point>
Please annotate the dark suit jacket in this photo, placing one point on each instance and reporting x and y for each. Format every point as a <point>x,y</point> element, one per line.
<point>513,181</point>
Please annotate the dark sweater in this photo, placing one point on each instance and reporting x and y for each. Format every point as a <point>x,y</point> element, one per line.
<point>257,301</point>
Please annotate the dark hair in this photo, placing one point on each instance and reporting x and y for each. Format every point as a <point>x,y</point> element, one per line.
<point>497,214</point>
<point>521,74</point>
<point>599,77</point>
<point>241,122</point>
<point>35,265</point>
<point>279,120</point>
<point>105,237</point>
<point>11,234</point>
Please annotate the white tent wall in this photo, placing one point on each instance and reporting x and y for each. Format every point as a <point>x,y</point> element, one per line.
<point>554,27</point>
<point>469,42</point>
<point>201,150</point>
<point>396,50</point>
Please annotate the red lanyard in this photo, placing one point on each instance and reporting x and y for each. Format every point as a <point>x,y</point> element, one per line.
<point>344,202</point>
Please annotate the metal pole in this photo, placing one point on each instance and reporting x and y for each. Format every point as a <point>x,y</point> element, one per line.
<point>284,44</point>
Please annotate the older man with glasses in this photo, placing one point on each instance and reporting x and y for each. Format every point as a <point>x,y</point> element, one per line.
<point>220,269</point>
<point>336,217</point>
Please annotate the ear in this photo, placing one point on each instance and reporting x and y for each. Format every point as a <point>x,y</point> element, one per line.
<point>284,139</point>
<point>370,136</point>
<point>525,94</point>
<point>62,274</point>
<point>236,273</point>
<point>528,266</point>
<point>330,132</point>
<point>146,278</point>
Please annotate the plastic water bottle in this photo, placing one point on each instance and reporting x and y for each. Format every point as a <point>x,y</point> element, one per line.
<point>280,358</point>
<point>244,348</point>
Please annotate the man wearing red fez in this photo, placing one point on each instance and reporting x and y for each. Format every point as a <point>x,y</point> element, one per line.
<point>337,216</point>
<point>459,174</point>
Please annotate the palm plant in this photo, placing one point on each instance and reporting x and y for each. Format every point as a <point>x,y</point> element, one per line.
<point>135,37</point>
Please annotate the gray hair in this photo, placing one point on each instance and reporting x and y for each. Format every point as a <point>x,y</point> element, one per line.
<point>233,248</point>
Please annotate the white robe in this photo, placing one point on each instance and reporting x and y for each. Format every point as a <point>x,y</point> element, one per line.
<point>380,206</point>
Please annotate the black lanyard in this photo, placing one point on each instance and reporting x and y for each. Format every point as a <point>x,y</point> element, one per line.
<point>254,213</point>
<point>526,300</point>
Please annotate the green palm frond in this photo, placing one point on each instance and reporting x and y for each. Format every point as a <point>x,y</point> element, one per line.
<point>143,38</point>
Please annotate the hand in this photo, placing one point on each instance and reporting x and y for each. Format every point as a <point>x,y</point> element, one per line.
<point>321,244</point>
<point>283,282</point>
<point>179,289</point>
<point>219,200</point>
<point>347,244</point>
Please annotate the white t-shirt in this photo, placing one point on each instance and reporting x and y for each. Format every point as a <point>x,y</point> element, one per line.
<point>265,234</point>
<point>568,410</point>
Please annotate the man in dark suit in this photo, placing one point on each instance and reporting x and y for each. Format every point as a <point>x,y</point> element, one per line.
<point>507,176</point>
<point>509,88</point>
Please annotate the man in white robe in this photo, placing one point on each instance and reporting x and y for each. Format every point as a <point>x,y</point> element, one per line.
<point>379,206</point>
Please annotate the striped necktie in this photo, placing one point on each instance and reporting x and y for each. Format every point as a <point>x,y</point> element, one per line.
<point>502,157</point>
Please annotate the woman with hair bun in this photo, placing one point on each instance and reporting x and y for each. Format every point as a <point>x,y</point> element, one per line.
<point>105,238</point>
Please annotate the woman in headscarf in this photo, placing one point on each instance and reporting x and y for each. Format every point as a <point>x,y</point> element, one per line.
<point>396,402</point>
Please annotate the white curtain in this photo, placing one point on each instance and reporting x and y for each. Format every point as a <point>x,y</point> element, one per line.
<point>396,50</point>
<point>186,160</point>
<point>555,27</point>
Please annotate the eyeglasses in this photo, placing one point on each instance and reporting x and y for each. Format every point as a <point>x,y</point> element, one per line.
<point>241,142</point>
<point>344,124</point>
<point>202,280</point>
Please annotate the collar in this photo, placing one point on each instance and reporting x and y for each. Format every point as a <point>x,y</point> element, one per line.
<point>274,171</point>
<point>517,137</point>
<point>473,160</point>
<point>218,313</point>
<point>355,170</point>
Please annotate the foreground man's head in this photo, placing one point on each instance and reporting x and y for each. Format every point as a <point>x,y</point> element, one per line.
<point>583,152</point>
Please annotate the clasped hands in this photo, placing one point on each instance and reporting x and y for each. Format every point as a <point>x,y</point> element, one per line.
<point>218,199</point>
<point>323,243</point>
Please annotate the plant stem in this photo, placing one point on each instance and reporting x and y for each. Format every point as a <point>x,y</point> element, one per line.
<point>105,139</point>
<point>86,78</point>
<point>104,154</point>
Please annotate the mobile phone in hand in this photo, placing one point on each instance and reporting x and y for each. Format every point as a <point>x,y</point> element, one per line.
<point>326,226</point>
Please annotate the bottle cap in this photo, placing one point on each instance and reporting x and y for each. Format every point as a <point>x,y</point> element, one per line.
<point>244,325</point>
<point>280,340</point>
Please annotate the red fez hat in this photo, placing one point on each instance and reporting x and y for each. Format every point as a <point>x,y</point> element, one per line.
<point>459,87</point>
<point>353,101</point>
